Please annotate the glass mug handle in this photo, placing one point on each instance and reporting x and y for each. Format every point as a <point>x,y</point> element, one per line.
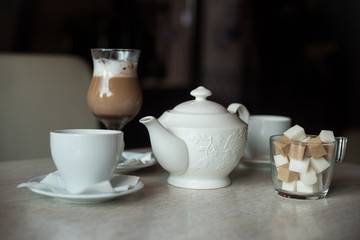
<point>341,147</point>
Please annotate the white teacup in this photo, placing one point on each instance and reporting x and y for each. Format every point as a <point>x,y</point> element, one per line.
<point>260,128</point>
<point>85,157</point>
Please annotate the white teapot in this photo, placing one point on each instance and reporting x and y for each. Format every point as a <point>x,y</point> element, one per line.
<point>199,142</point>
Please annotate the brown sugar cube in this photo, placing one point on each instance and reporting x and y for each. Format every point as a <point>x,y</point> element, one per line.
<point>282,145</point>
<point>297,150</point>
<point>307,151</point>
<point>284,139</point>
<point>285,175</point>
<point>330,151</point>
<point>316,147</point>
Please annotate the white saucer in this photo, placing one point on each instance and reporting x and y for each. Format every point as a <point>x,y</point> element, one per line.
<point>128,168</point>
<point>83,198</point>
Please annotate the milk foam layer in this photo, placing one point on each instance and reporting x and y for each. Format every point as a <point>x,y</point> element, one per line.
<point>114,68</point>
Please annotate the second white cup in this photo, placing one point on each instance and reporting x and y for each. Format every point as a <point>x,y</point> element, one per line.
<point>260,128</point>
<point>85,157</point>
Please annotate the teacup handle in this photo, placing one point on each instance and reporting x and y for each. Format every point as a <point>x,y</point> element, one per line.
<point>240,110</point>
<point>341,147</point>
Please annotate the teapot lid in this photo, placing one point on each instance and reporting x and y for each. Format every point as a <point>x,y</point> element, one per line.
<point>200,105</point>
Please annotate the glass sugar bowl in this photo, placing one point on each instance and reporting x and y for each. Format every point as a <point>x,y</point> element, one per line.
<point>303,170</point>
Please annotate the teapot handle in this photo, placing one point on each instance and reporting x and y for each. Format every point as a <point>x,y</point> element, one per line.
<point>240,110</point>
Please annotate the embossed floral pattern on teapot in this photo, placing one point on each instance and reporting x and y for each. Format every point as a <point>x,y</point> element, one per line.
<point>199,142</point>
<point>215,150</point>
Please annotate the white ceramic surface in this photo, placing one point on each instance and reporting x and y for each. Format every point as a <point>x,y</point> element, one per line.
<point>83,198</point>
<point>85,156</point>
<point>199,141</point>
<point>261,127</point>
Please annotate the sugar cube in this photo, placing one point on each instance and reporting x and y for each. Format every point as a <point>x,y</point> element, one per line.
<point>280,160</point>
<point>300,166</point>
<point>319,164</point>
<point>297,150</point>
<point>282,145</point>
<point>309,177</point>
<point>302,188</point>
<point>327,136</point>
<point>285,175</point>
<point>290,186</point>
<point>307,152</point>
<point>295,133</point>
<point>316,148</point>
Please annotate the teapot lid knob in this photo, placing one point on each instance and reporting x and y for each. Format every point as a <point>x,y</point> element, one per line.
<point>200,93</point>
<point>200,105</point>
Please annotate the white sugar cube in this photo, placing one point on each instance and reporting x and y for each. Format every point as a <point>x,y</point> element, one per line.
<point>280,160</point>
<point>327,136</point>
<point>295,133</point>
<point>290,186</point>
<point>319,164</point>
<point>302,188</point>
<point>309,177</point>
<point>300,166</point>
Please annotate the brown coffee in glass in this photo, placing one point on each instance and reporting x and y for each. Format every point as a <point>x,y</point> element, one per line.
<point>115,95</point>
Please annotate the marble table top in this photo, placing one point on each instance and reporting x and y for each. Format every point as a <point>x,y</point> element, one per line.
<point>248,209</point>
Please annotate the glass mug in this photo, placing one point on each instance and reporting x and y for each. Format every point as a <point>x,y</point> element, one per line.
<point>306,178</point>
<point>115,95</point>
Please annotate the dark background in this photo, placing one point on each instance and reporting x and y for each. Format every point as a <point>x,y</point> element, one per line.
<point>298,58</point>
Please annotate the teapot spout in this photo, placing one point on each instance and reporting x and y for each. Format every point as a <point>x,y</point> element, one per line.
<point>170,151</point>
